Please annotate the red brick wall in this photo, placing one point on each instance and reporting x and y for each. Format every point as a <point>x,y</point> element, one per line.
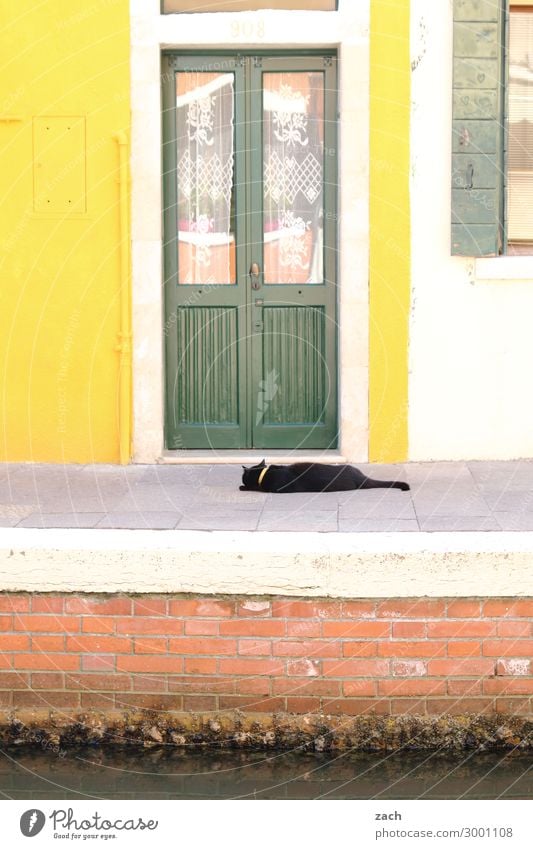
<point>389,656</point>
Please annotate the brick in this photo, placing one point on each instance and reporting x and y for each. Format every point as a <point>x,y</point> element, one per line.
<point>200,665</point>
<point>508,686</point>
<point>98,663</point>
<point>6,699</point>
<point>409,668</point>
<point>209,686</point>
<point>6,661</point>
<point>518,706</point>
<point>52,624</point>
<point>201,627</point>
<point>199,703</point>
<point>307,668</point>
<point>358,609</point>
<point>517,666</point>
<point>412,649</point>
<point>255,647</point>
<point>99,644</point>
<point>272,705</point>
<point>47,604</point>
<point>98,625</point>
<point>45,643</point>
<point>306,609</point>
<point>306,687</point>
<point>349,629</point>
<point>6,623</point>
<point>14,642</point>
<point>150,645</point>
<point>149,683</point>
<point>296,704</point>
<point>356,668</point>
<point>254,608</point>
<point>149,701</point>
<point>96,682</point>
<point>359,649</point>
<point>359,688</point>
<point>43,661</point>
<point>14,603</point>
<point>443,707</point>
<point>253,686</point>
<point>463,609</point>
<point>114,605</point>
<point>247,666</point>
<point>405,706</point>
<point>412,687</point>
<point>253,628</point>
<point>14,681</point>
<point>409,630</point>
<point>465,686</point>
<point>506,648</point>
<point>464,648</point>
<point>158,626</point>
<point>461,666</point>
<point>97,701</point>
<point>47,681</point>
<point>199,645</point>
<point>150,607</point>
<point>205,607</point>
<point>461,628</point>
<point>148,663</point>
<point>304,628</point>
<point>411,609</point>
<point>306,648</point>
<point>513,628</point>
<point>45,699</point>
<point>512,609</point>
<point>355,707</point>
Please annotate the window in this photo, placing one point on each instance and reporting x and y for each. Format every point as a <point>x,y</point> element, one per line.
<point>492,159</point>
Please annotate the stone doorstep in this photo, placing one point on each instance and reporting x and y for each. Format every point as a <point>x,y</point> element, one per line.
<point>58,732</point>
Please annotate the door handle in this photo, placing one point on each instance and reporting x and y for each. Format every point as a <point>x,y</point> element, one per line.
<point>255,273</point>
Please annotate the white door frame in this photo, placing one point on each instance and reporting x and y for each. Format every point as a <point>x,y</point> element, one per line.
<point>347,30</point>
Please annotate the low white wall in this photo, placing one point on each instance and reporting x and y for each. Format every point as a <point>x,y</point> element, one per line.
<point>471,336</point>
<point>395,565</point>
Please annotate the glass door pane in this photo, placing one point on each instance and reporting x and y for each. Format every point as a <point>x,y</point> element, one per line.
<point>205,177</point>
<point>293,174</point>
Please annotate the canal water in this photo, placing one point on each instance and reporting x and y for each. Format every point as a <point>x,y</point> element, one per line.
<point>177,774</point>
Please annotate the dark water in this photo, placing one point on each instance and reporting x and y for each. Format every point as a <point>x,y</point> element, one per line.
<point>173,774</point>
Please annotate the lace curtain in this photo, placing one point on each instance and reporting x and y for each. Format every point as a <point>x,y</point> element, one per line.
<point>205,177</point>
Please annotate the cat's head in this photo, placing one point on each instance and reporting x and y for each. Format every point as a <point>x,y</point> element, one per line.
<point>250,475</point>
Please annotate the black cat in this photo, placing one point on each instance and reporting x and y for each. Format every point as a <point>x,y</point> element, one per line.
<point>310,477</point>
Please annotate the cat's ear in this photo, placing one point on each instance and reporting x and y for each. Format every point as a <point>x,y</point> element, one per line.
<point>263,463</point>
<point>245,469</point>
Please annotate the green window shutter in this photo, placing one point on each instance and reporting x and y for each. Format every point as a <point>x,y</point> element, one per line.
<point>478,122</point>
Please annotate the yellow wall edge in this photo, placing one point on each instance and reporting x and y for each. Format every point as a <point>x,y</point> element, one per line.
<point>64,231</point>
<point>389,277</point>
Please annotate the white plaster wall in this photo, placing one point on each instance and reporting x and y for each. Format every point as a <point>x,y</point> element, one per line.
<point>471,337</point>
<point>347,30</point>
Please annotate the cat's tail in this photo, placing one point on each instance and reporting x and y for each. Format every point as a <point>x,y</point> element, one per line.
<point>369,483</point>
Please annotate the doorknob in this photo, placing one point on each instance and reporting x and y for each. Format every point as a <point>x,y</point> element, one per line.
<point>255,272</point>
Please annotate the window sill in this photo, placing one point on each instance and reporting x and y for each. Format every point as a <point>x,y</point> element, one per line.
<point>504,268</point>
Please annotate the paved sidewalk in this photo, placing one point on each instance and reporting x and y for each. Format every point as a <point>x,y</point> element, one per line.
<point>474,496</point>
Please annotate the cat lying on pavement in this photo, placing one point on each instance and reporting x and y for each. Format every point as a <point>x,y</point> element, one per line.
<point>310,477</point>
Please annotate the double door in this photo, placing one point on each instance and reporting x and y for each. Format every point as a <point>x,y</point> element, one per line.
<point>249,160</point>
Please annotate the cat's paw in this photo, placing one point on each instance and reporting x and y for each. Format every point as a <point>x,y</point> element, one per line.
<point>242,488</point>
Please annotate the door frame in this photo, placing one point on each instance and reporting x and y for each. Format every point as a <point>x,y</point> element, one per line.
<point>347,31</point>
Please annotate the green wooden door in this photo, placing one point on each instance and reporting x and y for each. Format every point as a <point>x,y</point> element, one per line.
<point>249,159</point>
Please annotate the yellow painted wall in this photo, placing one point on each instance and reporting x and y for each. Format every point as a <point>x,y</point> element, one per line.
<point>64,94</point>
<point>389,229</point>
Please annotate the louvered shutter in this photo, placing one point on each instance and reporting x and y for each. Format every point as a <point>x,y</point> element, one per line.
<point>478,127</point>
